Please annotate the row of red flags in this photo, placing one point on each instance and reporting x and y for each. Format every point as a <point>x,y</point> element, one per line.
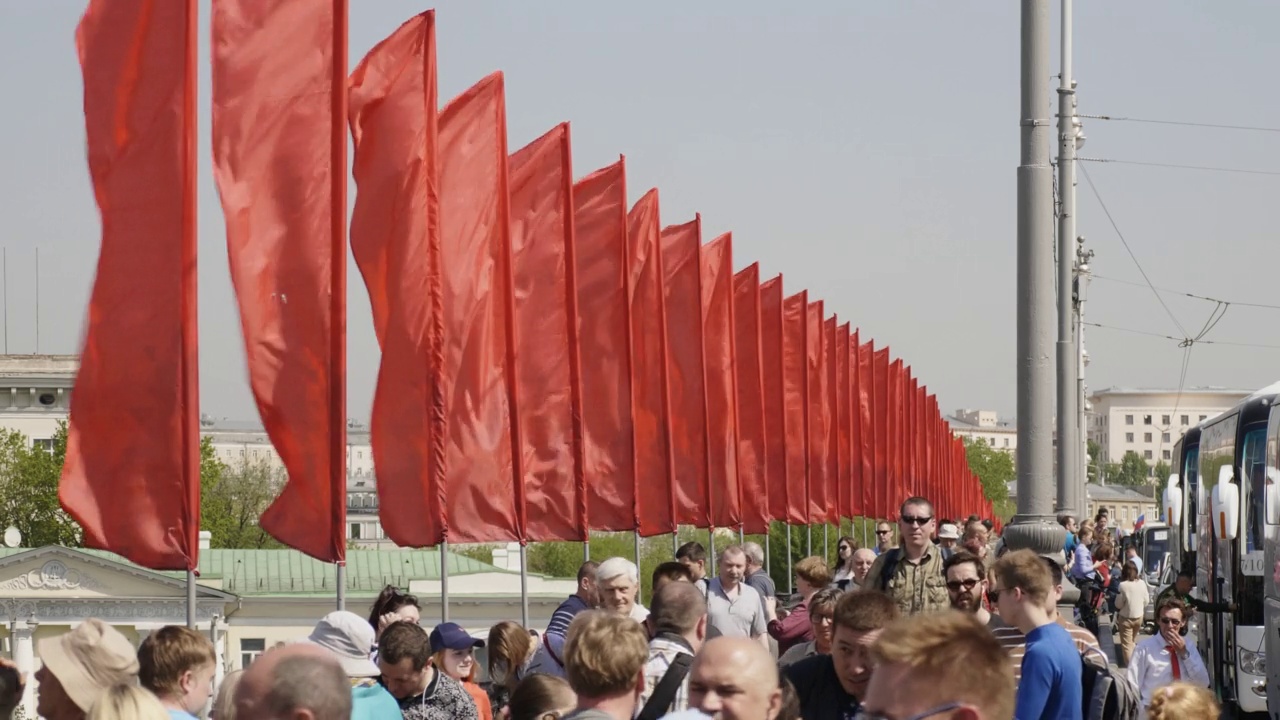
<point>553,361</point>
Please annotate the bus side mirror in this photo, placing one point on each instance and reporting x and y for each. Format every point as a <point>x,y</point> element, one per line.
<point>1226,506</point>
<point>1173,502</point>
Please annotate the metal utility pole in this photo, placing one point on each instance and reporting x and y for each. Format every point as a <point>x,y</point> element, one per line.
<point>1081,290</point>
<point>1034,526</point>
<point>1068,353</point>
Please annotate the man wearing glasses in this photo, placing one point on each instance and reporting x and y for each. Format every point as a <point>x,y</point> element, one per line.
<point>884,538</point>
<point>1165,657</point>
<point>967,585</point>
<point>911,573</point>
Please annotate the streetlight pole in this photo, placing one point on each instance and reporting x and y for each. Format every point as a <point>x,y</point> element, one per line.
<point>1067,352</point>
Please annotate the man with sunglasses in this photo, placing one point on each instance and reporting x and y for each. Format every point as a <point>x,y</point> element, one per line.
<point>884,538</point>
<point>911,573</point>
<point>967,585</point>
<point>1166,657</point>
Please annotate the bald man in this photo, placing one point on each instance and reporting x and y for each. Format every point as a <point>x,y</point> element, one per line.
<point>295,682</point>
<point>735,679</point>
<point>863,559</point>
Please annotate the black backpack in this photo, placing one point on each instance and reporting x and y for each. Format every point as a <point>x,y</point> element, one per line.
<point>1108,695</point>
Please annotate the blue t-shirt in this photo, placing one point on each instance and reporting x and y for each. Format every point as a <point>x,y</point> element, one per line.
<point>1051,681</point>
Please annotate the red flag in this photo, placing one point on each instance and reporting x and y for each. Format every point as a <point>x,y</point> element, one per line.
<point>686,374</point>
<point>483,501</point>
<point>883,491</point>
<point>604,311</point>
<point>723,490</point>
<point>395,238</point>
<point>131,477</point>
<point>896,394</point>
<point>279,146</point>
<point>549,387</point>
<point>857,431</point>
<point>833,509</point>
<point>650,395</point>
<point>817,393</point>
<point>909,449</point>
<point>795,384</point>
<point>772,370</point>
<point>869,423</point>
<point>753,475</point>
<point>842,396</point>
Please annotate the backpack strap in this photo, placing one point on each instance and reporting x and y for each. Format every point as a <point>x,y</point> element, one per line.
<point>665,692</point>
<point>890,567</point>
<point>546,643</point>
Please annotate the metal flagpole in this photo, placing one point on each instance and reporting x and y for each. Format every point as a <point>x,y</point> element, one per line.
<point>586,550</point>
<point>711,550</point>
<point>809,542</point>
<point>524,586</point>
<point>639,580</point>
<point>826,540</point>
<point>790,590</point>
<point>6,299</point>
<point>37,301</point>
<point>766,552</point>
<point>191,599</point>
<point>444,581</point>
<point>340,573</point>
<point>675,543</point>
<point>1067,387</point>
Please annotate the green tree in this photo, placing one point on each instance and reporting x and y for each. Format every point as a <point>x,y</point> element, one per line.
<point>1095,452</point>
<point>29,477</point>
<point>233,498</point>
<point>1162,480</point>
<point>994,469</point>
<point>1132,471</point>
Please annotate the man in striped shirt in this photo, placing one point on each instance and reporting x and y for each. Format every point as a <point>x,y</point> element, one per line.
<point>678,614</point>
<point>1015,643</point>
<point>584,599</point>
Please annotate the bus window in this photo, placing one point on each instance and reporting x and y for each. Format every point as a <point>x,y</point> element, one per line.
<point>1191,481</point>
<point>1254,468</point>
<point>1273,468</point>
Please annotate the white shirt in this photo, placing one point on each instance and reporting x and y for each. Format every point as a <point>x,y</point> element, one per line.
<point>1151,669</point>
<point>639,613</point>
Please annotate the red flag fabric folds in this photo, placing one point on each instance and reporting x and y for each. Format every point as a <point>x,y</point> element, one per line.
<point>817,405</point>
<point>604,338</point>
<point>795,387</point>
<point>650,398</point>
<point>867,419</point>
<point>753,471</point>
<point>279,147</point>
<point>778,458</point>
<point>841,397</point>
<point>395,238</point>
<point>686,373</point>
<point>483,502</point>
<point>723,501</point>
<point>548,387</point>
<point>131,477</point>
<point>884,493</point>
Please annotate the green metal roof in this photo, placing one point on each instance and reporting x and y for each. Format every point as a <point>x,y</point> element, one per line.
<point>289,572</point>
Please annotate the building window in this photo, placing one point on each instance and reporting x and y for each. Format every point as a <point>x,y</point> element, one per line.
<point>1146,437</point>
<point>1164,437</point>
<point>1146,419</point>
<point>250,649</point>
<point>1146,454</point>
<point>1128,437</point>
<point>355,531</point>
<point>1203,418</point>
<point>1128,419</point>
<point>45,444</point>
<point>1006,442</point>
<point>1167,455</point>
<point>1186,420</point>
<point>1164,419</point>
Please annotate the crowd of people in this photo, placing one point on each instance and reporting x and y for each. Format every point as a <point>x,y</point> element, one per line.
<point>936,620</point>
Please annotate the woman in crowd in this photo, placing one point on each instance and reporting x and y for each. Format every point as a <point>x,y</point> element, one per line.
<point>791,628</point>
<point>1181,701</point>
<point>453,652</point>
<point>393,606</point>
<point>515,653</point>
<point>128,702</point>
<point>1131,603</point>
<point>540,697</point>
<point>844,575</point>
<point>822,610</point>
<point>224,703</point>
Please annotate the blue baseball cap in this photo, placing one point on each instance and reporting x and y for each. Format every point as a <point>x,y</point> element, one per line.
<point>451,636</point>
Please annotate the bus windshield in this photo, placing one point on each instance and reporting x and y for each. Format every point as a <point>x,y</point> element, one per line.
<point>1253,465</point>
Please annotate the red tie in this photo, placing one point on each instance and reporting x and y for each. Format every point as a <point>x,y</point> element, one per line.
<point>1174,662</point>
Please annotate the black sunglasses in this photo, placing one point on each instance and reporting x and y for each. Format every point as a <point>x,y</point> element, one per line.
<point>920,521</point>
<point>1171,622</point>
<point>883,532</point>
<point>955,585</point>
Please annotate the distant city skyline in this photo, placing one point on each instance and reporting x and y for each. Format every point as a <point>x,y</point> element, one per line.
<point>867,151</point>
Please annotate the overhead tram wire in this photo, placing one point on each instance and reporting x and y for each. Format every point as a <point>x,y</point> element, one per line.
<point>1181,341</point>
<point>1183,293</point>
<point>1213,126</point>
<point>1175,166</point>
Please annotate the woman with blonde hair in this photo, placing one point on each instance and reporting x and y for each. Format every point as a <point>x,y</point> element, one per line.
<point>453,652</point>
<point>516,653</point>
<point>224,703</point>
<point>127,702</point>
<point>1182,701</point>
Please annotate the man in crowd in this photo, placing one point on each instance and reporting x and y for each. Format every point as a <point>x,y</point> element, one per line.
<point>939,663</point>
<point>967,586</point>
<point>863,559</point>
<point>791,627</point>
<point>670,571</point>
<point>678,616</point>
<point>1181,589</point>
<point>605,656</point>
<point>1069,523</point>
<point>832,686</point>
<point>294,682</point>
<point>1165,657</point>
<point>79,666</point>
<point>975,540</point>
<point>1051,669</point>
<point>1131,556</point>
<point>584,599</point>
<point>912,573</point>
<point>948,539</point>
<point>617,582</point>
<point>13,683</point>
<point>734,608</point>
<point>1015,643</point>
<point>756,576</point>
<point>693,556</point>
<point>349,638</point>
<point>735,678</point>
<point>177,665</point>
<point>423,692</point>
<point>884,538</point>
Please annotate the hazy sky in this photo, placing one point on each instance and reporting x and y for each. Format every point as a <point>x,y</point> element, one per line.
<point>865,149</point>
